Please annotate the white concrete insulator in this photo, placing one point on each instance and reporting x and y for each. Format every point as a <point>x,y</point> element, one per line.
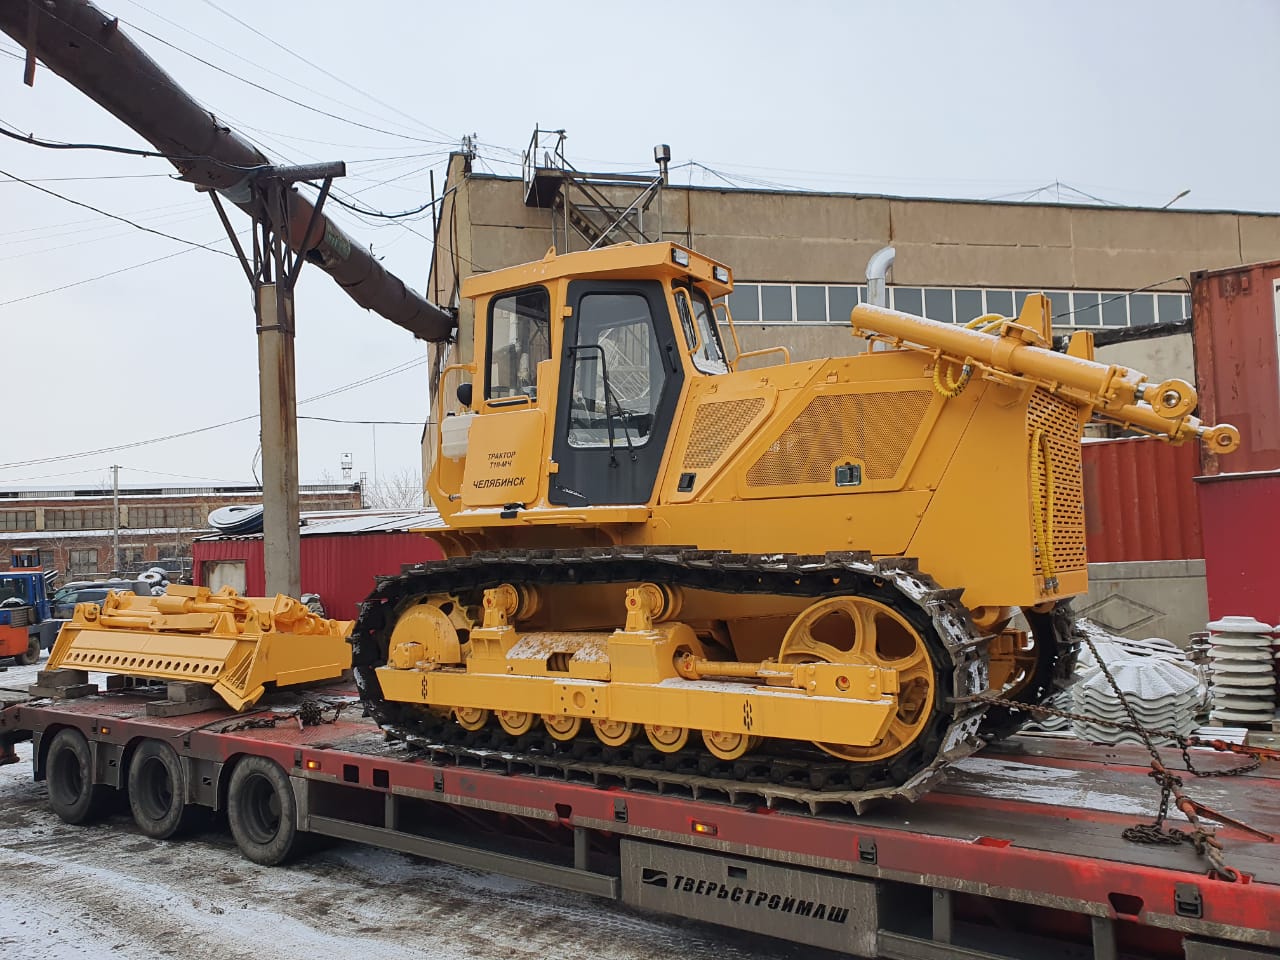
<point>1242,658</point>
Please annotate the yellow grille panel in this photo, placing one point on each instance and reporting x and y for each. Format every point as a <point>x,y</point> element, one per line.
<point>1061,424</point>
<point>716,426</point>
<point>875,429</point>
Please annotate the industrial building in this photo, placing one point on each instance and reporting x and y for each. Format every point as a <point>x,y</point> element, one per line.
<point>74,529</point>
<point>799,258</point>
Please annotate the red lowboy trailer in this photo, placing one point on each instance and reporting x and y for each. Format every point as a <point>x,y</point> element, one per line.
<point>1017,854</point>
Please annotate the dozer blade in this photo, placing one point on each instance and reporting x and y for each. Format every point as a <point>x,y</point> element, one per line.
<point>237,645</point>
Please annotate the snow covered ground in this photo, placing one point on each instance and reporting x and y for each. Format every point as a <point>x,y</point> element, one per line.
<point>108,891</point>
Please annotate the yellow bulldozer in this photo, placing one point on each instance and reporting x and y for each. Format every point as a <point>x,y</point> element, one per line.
<point>658,554</point>
<point>743,557</point>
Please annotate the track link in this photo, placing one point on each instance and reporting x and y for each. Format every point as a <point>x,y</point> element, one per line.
<point>803,774</point>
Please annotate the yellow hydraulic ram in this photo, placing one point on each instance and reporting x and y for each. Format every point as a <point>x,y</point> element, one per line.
<point>1020,349</point>
<point>238,645</point>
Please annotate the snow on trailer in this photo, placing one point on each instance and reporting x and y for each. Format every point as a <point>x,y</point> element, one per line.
<point>1018,853</point>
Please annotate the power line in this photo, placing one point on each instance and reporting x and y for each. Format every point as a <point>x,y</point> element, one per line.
<point>104,176</point>
<point>113,216</point>
<point>34,141</point>
<point>275,93</point>
<point>376,423</point>
<point>101,276</point>
<point>372,378</point>
<point>244,59</point>
<point>315,66</point>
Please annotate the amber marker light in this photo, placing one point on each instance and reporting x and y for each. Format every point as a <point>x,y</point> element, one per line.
<point>701,826</point>
<point>313,764</point>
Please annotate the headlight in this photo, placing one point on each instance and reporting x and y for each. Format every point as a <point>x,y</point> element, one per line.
<point>679,257</point>
<point>721,274</point>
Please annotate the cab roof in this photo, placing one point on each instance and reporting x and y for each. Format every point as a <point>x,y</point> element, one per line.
<point>621,261</point>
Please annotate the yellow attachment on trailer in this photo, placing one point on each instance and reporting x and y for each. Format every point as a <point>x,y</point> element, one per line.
<point>238,645</point>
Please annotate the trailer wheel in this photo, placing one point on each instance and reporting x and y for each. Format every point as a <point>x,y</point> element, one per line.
<point>33,652</point>
<point>262,812</point>
<point>73,795</point>
<point>158,790</point>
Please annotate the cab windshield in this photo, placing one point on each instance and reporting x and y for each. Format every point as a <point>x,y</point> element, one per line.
<point>698,321</point>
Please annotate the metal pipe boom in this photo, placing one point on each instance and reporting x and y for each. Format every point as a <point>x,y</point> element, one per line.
<point>87,48</point>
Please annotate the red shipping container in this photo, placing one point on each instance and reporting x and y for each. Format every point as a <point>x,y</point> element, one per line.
<point>1237,369</point>
<point>1140,500</point>
<point>339,566</point>
<point>1241,536</point>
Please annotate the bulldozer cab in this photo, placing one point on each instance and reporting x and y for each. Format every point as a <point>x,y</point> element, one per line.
<point>580,363</point>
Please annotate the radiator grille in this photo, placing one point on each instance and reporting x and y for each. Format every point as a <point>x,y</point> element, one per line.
<point>715,428</point>
<point>1061,425</point>
<point>874,428</point>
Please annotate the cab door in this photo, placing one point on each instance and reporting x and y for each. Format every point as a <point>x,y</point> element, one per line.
<point>619,386</point>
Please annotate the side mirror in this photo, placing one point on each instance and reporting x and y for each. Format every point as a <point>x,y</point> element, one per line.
<point>464,394</point>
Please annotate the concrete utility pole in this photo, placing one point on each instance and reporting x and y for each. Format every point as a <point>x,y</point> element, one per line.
<point>273,270</point>
<point>115,519</point>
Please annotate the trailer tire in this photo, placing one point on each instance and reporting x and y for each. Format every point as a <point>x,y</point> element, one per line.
<point>73,795</point>
<point>158,790</point>
<point>32,654</point>
<point>262,812</point>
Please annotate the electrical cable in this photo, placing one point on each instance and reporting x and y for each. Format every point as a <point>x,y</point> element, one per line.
<point>101,276</point>
<point>372,378</point>
<point>315,66</point>
<point>34,141</point>
<point>244,59</point>
<point>275,93</point>
<point>376,423</point>
<point>113,216</point>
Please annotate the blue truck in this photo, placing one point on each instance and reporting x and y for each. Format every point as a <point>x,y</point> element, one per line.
<point>27,625</point>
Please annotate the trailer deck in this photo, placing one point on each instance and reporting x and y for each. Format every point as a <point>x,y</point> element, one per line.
<point>1018,853</point>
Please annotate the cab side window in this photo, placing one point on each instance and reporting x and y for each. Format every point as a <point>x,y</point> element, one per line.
<point>618,373</point>
<point>519,339</point>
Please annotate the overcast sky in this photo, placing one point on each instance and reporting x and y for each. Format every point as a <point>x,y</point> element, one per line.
<point>1130,102</point>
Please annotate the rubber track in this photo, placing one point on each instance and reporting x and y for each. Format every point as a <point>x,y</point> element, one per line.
<point>802,774</point>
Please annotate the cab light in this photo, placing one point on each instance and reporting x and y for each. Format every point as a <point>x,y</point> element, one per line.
<point>720,273</point>
<point>679,257</point>
<point>704,828</point>
<point>313,764</point>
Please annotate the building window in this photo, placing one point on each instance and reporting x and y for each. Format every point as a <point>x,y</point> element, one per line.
<point>810,303</point>
<point>1001,302</point>
<point>77,519</point>
<point>843,300</point>
<point>937,305</point>
<point>17,520</point>
<point>1142,310</point>
<point>775,304</point>
<point>129,557</point>
<point>908,299</point>
<point>744,303</point>
<point>82,563</point>
<point>182,518</point>
<point>968,305</point>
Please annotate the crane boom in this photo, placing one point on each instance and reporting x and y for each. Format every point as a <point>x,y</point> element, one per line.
<point>87,48</point>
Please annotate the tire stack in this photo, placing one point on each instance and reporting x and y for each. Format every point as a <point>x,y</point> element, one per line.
<point>1243,673</point>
